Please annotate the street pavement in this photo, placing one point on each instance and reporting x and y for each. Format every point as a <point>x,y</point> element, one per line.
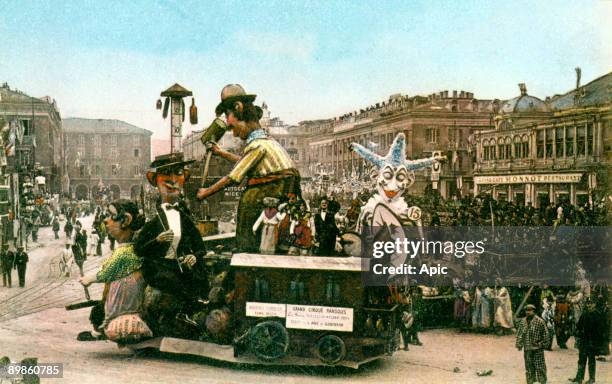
<point>33,323</point>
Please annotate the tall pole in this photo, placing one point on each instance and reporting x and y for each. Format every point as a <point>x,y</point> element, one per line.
<point>177,112</point>
<point>174,101</point>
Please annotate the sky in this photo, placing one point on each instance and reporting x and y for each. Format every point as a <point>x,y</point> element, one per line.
<point>306,60</point>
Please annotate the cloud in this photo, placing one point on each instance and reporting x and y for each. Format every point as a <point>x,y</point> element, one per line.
<point>276,44</point>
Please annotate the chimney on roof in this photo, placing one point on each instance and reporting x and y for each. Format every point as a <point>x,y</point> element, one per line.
<point>454,94</point>
<point>461,95</point>
<point>446,94</point>
<point>578,76</point>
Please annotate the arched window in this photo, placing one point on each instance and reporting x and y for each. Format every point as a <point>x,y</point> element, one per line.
<point>569,141</point>
<point>508,148</point>
<point>525,144</point>
<point>559,141</point>
<point>493,147</point>
<point>485,149</point>
<point>518,149</point>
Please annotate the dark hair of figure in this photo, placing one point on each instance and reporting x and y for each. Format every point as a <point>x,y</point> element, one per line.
<point>124,206</point>
<point>250,112</point>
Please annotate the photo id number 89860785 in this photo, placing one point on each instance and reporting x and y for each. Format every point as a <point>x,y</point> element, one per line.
<point>42,370</point>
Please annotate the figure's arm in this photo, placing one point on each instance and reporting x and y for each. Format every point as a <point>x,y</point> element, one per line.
<point>146,244</point>
<point>248,161</point>
<point>203,193</point>
<point>258,222</point>
<point>216,150</point>
<point>313,228</point>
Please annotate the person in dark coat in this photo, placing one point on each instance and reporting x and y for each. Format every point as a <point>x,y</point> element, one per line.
<point>590,338</point>
<point>81,240</point>
<point>77,251</point>
<point>55,226</point>
<point>170,244</point>
<point>68,228</point>
<point>7,258</point>
<point>326,230</point>
<point>21,261</point>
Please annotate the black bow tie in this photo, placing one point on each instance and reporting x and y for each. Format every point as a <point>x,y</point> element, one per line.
<point>171,206</point>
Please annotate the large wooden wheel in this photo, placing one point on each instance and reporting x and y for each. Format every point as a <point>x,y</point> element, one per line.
<point>269,340</point>
<point>331,349</point>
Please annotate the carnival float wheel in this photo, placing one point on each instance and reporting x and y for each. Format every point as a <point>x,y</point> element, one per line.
<point>330,349</point>
<point>269,340</point>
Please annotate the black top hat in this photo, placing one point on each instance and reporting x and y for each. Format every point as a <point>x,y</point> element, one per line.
<point>169,160</point>
<point>230,94</point>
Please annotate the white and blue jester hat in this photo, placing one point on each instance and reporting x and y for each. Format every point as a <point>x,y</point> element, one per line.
<point>396,156</point>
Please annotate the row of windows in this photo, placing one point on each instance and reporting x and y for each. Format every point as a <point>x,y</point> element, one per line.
<point>382,142</point>
<point>115,170</point>
<point>112,153</point>
<point>501,148</point>
<point>110,140</point>
<point>565,141</point>
<point>550,142</point>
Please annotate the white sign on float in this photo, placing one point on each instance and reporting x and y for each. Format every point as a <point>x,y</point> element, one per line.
<point>255,309</point>
<point>318,317</point>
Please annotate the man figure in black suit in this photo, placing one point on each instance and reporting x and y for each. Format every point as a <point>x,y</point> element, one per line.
<point>21,262</point>
<point>7,259</point>
<point>170,244</point>
<point>326,230</point>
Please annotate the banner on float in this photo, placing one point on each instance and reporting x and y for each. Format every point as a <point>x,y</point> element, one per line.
<point>318,317</point>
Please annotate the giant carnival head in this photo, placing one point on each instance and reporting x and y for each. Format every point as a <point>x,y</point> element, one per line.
<point>169,173</point>
<point>393,173</point>
<point>241,114</point>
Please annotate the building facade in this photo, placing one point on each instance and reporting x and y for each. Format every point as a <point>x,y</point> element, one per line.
<point>556,150</point>
<point>106,153</point>
<point>35,127</point>
<point>441,122</point>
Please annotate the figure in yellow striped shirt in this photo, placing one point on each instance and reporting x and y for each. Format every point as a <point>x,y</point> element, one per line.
<point>266,166</point>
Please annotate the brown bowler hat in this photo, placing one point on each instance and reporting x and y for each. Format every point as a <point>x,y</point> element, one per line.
<point>230,94</point>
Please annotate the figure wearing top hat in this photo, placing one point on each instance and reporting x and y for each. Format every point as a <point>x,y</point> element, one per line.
<point>266,166</point>
<point>170,244</point>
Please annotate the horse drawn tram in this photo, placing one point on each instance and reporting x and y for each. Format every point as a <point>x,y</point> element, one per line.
<point>298,310</point>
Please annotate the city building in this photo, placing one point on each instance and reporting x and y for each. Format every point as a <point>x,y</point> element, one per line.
<point>553,150</point>
<point>106,153</point>
<point>36,136</point>
<point>440,122</point>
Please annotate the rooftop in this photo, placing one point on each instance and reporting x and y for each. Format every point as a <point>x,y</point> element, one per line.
<point>77,124</point>
<point>524,103</point>
<point>597,92</point>
<point>15,96</point>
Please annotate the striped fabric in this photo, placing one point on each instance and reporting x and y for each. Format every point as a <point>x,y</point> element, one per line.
<point>262,157</point>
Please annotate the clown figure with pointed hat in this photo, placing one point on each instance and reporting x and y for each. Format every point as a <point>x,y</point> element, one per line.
<point>393,175</point>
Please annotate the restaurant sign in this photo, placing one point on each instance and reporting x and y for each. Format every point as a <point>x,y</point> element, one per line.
<point>528,179</point>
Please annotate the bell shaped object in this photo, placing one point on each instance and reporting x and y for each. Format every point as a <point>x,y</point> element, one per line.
<point>158,105</point>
